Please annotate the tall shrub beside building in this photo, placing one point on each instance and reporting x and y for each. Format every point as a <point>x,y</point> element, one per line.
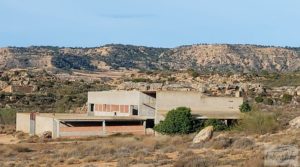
<point>177,121</point>
<point>7,116</point>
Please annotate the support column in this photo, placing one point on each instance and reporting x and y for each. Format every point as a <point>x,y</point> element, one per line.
<point>103,127</point>
<point>56,129</point>
<point>226,122</point>
<point>144,125</point>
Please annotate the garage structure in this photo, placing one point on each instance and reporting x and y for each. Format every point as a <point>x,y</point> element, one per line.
<point>77,125</point>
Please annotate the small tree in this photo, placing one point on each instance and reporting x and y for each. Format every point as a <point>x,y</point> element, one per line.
<point>259,99</point>
<point>177,121</point>
<point>245,107</point>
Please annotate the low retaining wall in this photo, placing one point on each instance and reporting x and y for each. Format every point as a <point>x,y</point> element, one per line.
<point>134,129</point>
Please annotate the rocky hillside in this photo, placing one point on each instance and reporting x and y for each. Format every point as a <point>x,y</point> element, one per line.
<point>205,58</point>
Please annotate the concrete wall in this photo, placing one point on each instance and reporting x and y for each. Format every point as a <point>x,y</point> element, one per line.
<point>128,98</point>
<point>113,97</point>
<point>80,131</point>
<point>133,129</point>
<point>43,124</point>
<point>147,105</point>
<point>202,106</point>
<point>23,122</point>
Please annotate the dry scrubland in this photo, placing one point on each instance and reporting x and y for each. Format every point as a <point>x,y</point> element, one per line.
<point>131,150</point>
<point>242,145</point>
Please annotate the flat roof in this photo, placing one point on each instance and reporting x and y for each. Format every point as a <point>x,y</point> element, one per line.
<point>211,115</point>
<point>85,117</point>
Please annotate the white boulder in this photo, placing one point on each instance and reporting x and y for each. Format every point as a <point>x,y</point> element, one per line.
<point>295,123</point>
<point>204,135</point>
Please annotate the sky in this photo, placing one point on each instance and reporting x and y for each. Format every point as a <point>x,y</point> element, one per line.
<point>158,23</point>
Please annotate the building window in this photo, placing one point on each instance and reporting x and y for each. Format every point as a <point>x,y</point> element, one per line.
<point>91,107</point>
<point>134,110</point>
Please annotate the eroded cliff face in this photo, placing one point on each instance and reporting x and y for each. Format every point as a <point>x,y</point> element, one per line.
<point>207,58</point>
<point>233,58</point>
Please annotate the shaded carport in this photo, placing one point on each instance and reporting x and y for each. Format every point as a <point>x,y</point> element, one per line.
<point>79,126</point>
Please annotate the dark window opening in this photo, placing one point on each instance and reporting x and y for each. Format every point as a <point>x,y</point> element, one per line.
<point>150,93</point>
<point>92,107</point>
<point>123,123</point>
<point>150,123</point>
<point>135,112</point>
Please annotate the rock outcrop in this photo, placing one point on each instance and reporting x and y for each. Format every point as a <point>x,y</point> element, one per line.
<point>205,58</point>
<point>204,135</point>
<point>295,123</point>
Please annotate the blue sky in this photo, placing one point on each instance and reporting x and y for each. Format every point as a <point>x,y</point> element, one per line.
<point>160,23</point>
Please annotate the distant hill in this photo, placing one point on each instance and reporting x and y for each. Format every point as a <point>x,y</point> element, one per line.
<point>207,58</point>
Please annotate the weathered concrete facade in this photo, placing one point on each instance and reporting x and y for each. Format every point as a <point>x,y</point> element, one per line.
<point>121,103</point>
<point>127,112</point>
<point>202,106</point>
<point>23,122</point>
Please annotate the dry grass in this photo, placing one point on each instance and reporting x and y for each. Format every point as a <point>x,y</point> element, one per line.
<point>226,148</point>
<point>124,150</point>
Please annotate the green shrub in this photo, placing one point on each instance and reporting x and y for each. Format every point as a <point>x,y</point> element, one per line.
<point>259,99</point>
<point>245,107</point>
<point>7,116</point>
<point>286,98</point>
<point>193,73</point>
<point>177,121</point>
<point>258,122</point>
<point>4,78</point>
<point>218,125</point>
<point>141,80</point>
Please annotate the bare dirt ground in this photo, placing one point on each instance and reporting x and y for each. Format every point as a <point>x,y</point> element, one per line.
<point>228,148</point>
<point>8,139</point>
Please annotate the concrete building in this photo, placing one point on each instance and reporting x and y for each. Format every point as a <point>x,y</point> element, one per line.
<point>202,106</point>
<point>127,112</point>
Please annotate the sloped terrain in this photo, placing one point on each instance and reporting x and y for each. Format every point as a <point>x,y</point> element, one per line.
<point>205,58</point>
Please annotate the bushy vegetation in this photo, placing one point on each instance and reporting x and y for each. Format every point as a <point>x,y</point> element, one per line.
<point>259,99</point>
<point>68,62</point>
<point>258,122</point>
<point>219,125</point>
<point>180,121</point>
<point>4,78</point>
<point>286,98</point>
<point>283,79</point>
<point>177,121</point>
<point>141,80</point>
<point>193,73</point>
<point>7,116</point>
<point>245,107</point>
